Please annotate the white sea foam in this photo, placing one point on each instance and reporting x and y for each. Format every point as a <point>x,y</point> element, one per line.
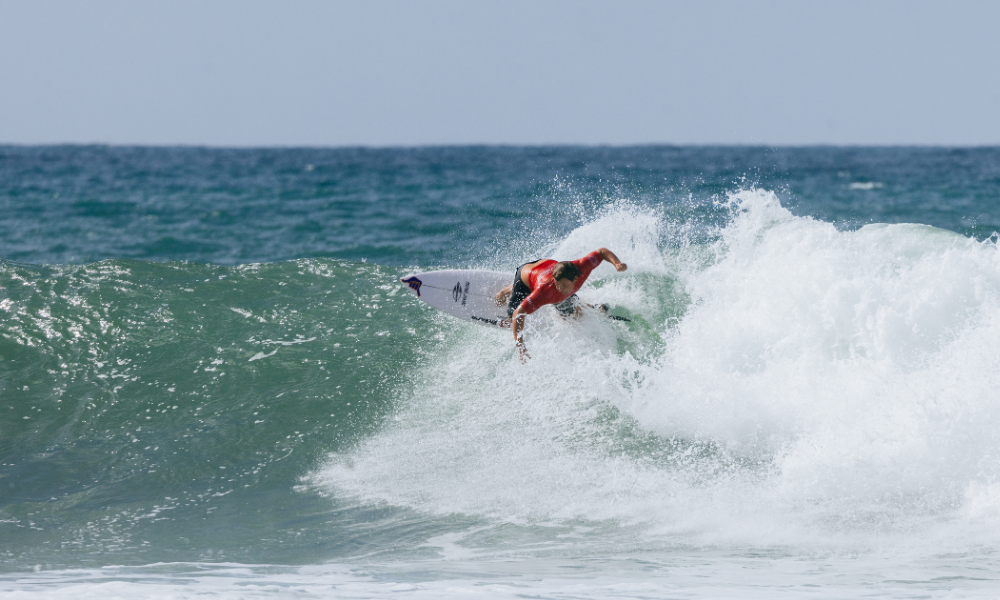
<point>864,185</point>
<point>821,391</point>
<point>702,576</point>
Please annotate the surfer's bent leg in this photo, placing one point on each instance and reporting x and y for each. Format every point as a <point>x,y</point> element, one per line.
<point>569,307</point>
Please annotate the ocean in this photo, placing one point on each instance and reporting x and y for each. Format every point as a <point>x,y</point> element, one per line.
<point>213,385</point>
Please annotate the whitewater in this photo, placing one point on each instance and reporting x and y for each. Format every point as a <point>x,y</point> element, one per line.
<point>799,407</point>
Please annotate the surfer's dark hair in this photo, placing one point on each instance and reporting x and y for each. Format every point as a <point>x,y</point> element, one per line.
<point>565,270</point>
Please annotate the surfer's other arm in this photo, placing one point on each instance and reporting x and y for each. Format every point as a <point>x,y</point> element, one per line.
<point>517,324</point>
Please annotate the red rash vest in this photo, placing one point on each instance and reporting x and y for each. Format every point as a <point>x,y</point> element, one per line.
<point>543,286</point>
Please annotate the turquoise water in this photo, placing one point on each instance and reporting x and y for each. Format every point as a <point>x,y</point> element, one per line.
<point>212,384</point>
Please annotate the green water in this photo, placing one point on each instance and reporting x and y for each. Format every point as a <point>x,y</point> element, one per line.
<point>137,391</point>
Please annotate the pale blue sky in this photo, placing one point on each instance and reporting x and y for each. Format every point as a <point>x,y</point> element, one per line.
<point>238,73</point>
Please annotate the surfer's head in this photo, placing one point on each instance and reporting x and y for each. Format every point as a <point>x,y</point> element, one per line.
<point>565,270</point>
<point>564,274</point>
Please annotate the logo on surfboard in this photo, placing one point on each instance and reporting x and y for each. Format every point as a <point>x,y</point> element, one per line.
<point>414,284</point>
<point>498,322</point>
<point>457,292</point>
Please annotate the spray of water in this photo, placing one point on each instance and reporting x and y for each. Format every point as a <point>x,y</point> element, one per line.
<point>785,384</point>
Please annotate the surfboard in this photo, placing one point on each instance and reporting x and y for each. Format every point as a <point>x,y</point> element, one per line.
<point>466,294</point>
<point>469,294</point>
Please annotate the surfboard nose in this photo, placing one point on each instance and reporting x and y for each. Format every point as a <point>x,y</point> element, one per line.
<point>413,282</point>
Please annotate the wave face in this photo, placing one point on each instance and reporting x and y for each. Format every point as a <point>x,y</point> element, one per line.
<point>797,401</point>
<point>143,401</point>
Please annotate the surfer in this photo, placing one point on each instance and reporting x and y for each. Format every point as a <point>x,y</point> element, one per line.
<point>546,281</point>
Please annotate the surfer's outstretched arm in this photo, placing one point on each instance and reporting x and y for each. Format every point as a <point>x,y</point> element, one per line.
<point>609,256</point>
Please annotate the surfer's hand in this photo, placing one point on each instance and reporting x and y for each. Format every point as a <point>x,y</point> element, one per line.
<point>522,352</point>
<point>621,267</point>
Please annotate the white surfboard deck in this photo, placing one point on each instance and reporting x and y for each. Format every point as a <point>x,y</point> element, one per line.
<point>465,294</point>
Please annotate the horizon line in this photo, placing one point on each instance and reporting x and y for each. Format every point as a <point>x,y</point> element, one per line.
<point>433,146</point>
